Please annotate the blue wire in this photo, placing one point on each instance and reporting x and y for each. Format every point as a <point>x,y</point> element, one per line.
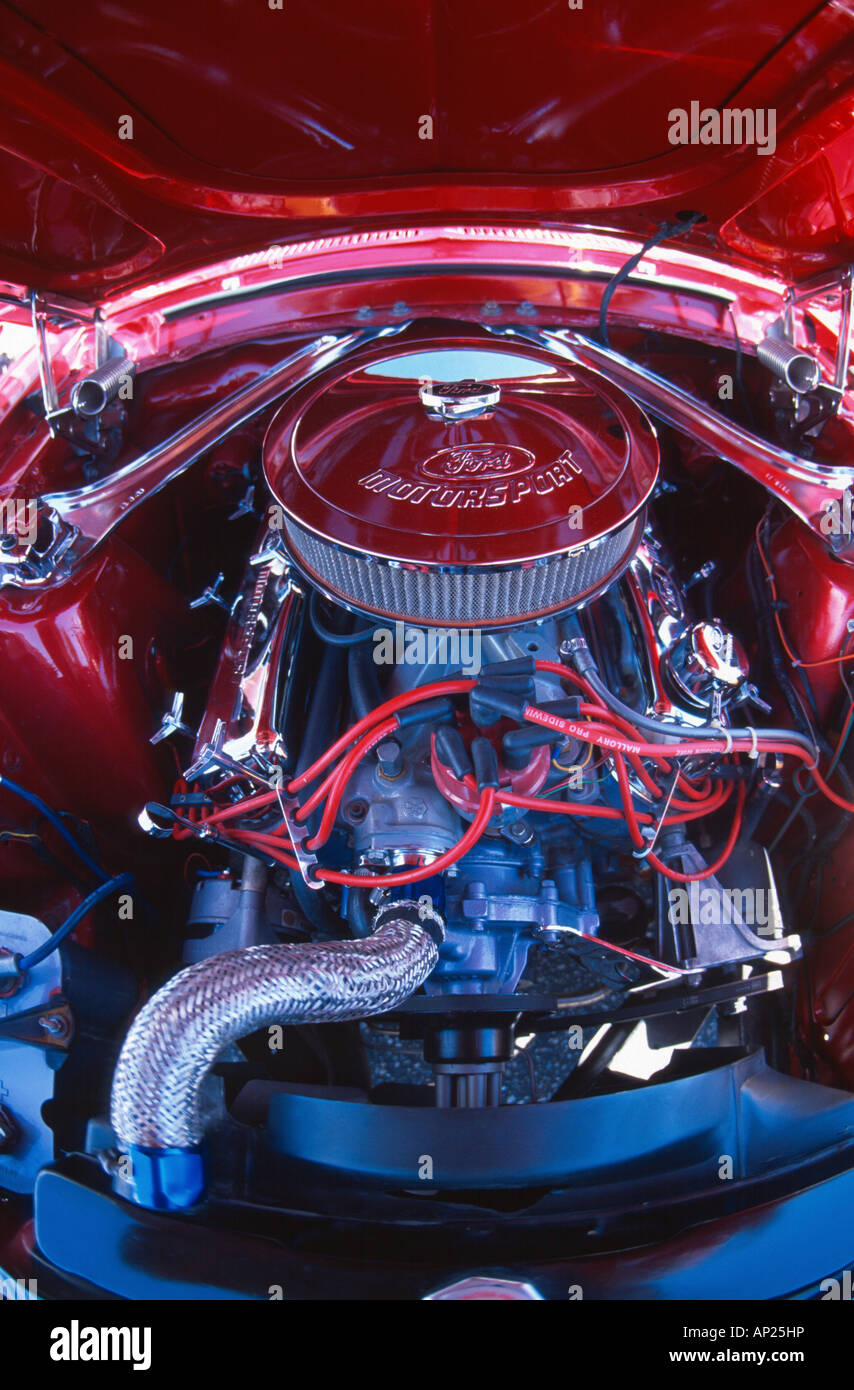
<point>56,823</point>
<point>105,890</point>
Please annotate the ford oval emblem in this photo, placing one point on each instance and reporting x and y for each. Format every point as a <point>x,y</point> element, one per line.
<point>477,462</point>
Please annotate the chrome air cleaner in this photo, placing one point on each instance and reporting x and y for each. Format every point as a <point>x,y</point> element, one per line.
<point>413,491</point>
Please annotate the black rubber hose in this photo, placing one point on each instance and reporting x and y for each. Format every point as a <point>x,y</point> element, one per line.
<point>665,232</point>
<point>335,639</point>
<point>360,914</point>
<point>364,682</point>
<point>761,799</point>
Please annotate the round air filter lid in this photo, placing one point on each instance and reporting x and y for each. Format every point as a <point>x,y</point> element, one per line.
<point>381,456</point>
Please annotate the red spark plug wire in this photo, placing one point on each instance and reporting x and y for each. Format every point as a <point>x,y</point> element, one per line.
<point>271,845</point>
<point>712,803</point>
<point>606,729</point>
<point>334,785</point>
<point>398,702</point>
<point>732,839</point>
<point>638,840</point>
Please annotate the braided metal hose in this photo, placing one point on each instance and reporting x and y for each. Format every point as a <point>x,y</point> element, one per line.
<point>178,1035</point>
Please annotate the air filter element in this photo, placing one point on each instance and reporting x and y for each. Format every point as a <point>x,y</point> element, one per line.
<point>489,499</point>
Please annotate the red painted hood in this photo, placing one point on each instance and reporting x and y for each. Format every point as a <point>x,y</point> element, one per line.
<point>143,137</point>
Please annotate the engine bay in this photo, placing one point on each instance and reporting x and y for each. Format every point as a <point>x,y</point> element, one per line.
<point>457,825</point>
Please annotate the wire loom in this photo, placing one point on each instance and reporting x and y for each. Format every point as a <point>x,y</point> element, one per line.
<point>178,1035</point>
